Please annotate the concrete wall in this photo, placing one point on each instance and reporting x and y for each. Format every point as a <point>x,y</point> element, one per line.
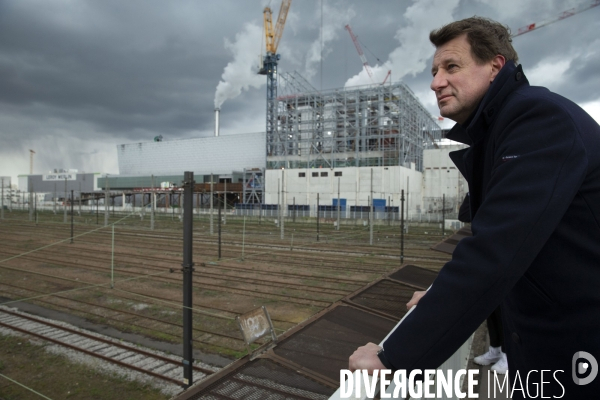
<point>441,177</point>
<point>219,155</point>
<point>355,185</point>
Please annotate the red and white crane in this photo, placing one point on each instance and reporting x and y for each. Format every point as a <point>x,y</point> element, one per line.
<point>565,14</point>
<point>360,53</point>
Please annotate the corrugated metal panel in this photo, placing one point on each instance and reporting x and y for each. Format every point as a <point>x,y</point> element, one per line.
<point>265,379</point>
<point>386,296</point>
<point>413,275</point>
<point>448,245</point>
<point>325,345</point>
<point>306,362</point>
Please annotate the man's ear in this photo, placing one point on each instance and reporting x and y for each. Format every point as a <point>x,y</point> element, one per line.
<point>497,64</point>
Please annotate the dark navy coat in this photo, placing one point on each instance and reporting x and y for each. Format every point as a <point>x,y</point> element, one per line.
<point>533,168</point>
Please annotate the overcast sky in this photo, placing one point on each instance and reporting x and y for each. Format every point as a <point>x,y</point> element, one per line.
<point>79,77</point>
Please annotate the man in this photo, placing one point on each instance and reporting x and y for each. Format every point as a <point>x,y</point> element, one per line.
<point>533,169</point>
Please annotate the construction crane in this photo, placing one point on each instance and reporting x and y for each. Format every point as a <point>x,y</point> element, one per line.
<point>363,58</point>
<point>360,53</point>
<point>269,62</point>
<point>559,17</point>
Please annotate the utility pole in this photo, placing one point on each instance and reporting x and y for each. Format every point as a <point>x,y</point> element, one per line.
<point>152,200</point>
<point>444,214</point>
<point>282,202</point>
<point>2,205</point>
<point>80,199</point>
<point>339,206</point>
<point>407,196</point>
<point>188,269</point>
<point>371,212</point>
<point>211,204</point>
<point>30,185</point>
<point>106,194</point>
<point>65,203</point>
<point>219,229</point>
<point>317,217</point>
<point>71,216</point>
<point>402,226</point>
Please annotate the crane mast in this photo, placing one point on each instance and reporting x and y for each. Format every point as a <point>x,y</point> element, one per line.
<point>269,68</point>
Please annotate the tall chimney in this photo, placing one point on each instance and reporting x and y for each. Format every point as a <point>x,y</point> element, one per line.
<point>217,111</point>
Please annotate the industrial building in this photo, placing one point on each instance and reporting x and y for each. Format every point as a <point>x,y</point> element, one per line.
<point>372,145</point>
<point>361,145</point>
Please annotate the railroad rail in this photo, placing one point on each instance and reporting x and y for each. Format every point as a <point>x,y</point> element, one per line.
<point>166,368</point>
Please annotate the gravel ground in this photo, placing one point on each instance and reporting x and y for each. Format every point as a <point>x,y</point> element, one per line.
<point>101,365</point>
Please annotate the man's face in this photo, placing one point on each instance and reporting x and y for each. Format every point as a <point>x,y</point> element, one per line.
<point>459,82</point>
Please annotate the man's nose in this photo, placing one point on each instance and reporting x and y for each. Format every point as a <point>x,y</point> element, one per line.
<point>439,81</point>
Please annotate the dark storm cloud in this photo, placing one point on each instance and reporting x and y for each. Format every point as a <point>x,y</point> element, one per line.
<point>119,66</point>
<point>78,78</point>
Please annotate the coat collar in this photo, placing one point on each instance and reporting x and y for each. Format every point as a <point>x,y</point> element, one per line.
<point>508,80</point>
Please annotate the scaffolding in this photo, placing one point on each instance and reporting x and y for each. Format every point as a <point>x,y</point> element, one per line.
<point>253,186</point>
<point>376,125</point>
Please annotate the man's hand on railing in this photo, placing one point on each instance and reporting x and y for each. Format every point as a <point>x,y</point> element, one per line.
<point>415,298</point>
<point>365,357</point>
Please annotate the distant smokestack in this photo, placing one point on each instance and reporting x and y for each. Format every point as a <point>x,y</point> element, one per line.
<point>217,112</point>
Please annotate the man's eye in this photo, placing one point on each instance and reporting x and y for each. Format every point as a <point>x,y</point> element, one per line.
<point>452,66</point>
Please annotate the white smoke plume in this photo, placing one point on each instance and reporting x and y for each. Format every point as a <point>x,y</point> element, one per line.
<point>415,49</point>
<point>335,18</point>
<point>241,73</point>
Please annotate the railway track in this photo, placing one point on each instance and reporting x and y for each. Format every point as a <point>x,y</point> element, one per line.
<point>295,283</point>
<point>161,366</point>
<point>206,247</point>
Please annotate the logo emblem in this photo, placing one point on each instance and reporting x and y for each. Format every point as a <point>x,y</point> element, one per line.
<point>589,367</point>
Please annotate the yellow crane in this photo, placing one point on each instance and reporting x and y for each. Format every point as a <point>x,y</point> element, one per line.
<point>269,68</point>
<point>274,36</point>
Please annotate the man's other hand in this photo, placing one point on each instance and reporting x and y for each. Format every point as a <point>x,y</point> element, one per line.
<point>415,298</point>
<point>365,357</point>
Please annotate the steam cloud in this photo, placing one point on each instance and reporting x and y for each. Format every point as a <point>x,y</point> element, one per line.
<point>335,17</point>
<point>241,73</point>
<point>415,49</point>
